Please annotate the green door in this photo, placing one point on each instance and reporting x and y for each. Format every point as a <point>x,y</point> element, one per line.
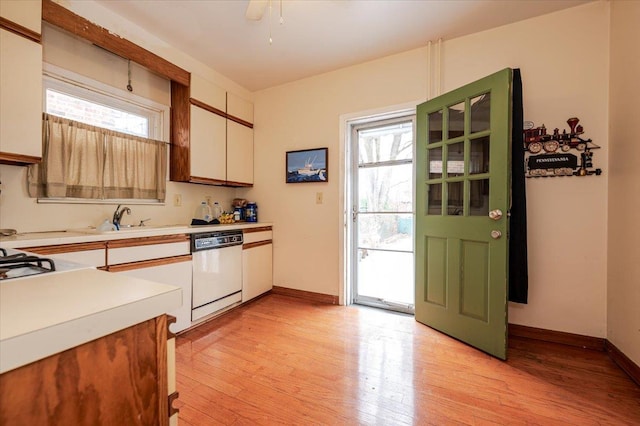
<point>462,200</point>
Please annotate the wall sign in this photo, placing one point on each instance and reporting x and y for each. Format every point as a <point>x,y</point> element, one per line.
<point>550,155</point>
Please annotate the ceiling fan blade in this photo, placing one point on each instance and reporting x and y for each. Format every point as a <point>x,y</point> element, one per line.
<point>255,9</point>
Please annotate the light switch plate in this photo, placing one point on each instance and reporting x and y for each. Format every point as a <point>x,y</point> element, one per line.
<point>318,197</point>
<point>177,200</point>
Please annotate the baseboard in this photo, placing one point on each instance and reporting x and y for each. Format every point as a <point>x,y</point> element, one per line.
<point>308,295</point>
<point>578,340</point>
<point>624,362</point>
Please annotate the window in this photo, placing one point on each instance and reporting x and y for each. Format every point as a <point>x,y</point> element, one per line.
<point>70,95</point>
<point>103,144</point>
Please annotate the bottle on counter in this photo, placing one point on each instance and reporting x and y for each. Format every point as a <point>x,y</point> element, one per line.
<point>203,212</point>
<point>217,210</point>
<point>251,214</point>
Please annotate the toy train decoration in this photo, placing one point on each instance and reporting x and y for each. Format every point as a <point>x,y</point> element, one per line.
<point>549,154</point>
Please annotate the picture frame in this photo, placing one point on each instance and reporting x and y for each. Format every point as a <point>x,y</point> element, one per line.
<point>307,165</point>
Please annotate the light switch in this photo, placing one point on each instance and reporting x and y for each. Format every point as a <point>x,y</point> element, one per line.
<point>177,200</point>
<point>318,197</point>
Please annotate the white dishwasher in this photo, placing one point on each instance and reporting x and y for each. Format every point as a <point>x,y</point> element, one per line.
<point>217,271</point>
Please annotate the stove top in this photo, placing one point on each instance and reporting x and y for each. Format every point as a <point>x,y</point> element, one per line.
<point>18,264</point>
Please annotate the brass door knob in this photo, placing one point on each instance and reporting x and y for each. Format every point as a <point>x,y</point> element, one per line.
<point>495,234</point>
<point>495,214</point>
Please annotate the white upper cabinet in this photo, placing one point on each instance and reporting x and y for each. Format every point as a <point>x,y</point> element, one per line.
<point>26,13</point>
<point>208,144</point>
<point>239,153</point>
<point>220,145</point>
<point>239,140</point>
<point>20,99</point>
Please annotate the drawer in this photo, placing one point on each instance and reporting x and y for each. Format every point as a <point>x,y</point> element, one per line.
<point>147,252</point>
<point>253,237</point>
<point>90,257</point>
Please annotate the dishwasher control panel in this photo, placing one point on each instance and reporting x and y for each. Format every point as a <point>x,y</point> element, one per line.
<point>215,240</point>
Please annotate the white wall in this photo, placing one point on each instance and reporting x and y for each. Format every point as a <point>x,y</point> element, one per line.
<point>623,293</point>
<point>564,62</point>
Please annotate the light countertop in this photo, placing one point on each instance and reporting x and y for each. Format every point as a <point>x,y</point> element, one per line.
<point>49,313</point>
<point>33,239</point>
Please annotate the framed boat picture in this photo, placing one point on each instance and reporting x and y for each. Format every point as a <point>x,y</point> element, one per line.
<point>308,165</point>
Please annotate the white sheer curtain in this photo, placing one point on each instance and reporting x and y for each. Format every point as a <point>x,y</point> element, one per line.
<point>83,161</point>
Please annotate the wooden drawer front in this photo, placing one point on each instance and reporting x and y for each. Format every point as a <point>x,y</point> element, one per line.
<point>147,252</point>
<point>257,236</point>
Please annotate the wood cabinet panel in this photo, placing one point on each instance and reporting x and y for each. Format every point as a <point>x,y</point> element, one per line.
<point>208,144</point>
<point>116,380</point>
<point>239,153</point>
<point>27,13</point>
<point>20,99</point>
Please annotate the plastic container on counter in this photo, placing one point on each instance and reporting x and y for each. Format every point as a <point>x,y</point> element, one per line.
<point>203,212</point>
<point>251,212</point>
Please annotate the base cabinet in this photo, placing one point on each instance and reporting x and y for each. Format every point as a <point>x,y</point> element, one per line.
<point>257,262</point>
<point>178,274</point>
<point>119,379</point>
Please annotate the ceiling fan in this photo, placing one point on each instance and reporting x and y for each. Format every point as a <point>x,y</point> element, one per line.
<point>255,9</point>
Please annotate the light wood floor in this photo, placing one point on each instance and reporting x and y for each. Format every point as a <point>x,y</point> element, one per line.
<point>281,360</point>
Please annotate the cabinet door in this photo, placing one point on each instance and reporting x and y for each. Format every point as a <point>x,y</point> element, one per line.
<point>257,271</point>
<point>20,97</point>
<point>208,147</point>
<point>27,13</point>
<point>239,153</point>
<point>177,274</point>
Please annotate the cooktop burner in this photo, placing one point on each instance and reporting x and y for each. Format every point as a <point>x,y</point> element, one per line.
<point>23,264</point>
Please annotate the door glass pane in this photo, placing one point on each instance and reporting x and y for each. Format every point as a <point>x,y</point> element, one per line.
<point>479,156</point>
<point>386,231</point>
<point>480,112</point>
<point>455,159</point>
<point>456,120</point>
<point>456,197</point>
<point>392,142</point>
<point>434,199</point>
<point>434,165</point>
<point>479,193</point>
<point>385,188</point>
<point>435,127</point>
<point>386,275</point>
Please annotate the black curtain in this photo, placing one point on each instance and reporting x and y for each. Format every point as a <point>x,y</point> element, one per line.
<point>518,267</point>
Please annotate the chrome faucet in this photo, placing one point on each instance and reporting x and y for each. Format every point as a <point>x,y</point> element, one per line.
<point>117,215</point>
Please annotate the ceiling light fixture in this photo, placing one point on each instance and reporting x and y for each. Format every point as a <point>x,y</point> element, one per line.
<point>255,12</point>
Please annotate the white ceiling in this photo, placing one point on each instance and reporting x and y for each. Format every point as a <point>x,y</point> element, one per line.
<point>317,35</point>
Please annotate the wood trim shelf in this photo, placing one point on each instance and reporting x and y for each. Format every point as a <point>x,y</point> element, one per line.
<point>61,17</point>
<point>207,181</point>
<point>66,248</point>
<point>258,229</point>
<point>20,30</point>
<point>624,362</point>
<point>219,112</point>
<point>121,267</point>
<point>577,340</point>
<point>207,107</point>
<point>147,241</point>
<point>307,295</point>
<point>248,246</point>
<point>18,159</point>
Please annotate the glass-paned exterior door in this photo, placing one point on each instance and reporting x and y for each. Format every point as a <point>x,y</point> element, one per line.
<point>382,213</point>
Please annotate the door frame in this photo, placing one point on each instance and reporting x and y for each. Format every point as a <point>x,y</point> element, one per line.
<point>344,197</point>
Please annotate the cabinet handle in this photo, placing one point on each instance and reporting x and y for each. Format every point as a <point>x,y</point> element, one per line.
<point>170,400</point>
